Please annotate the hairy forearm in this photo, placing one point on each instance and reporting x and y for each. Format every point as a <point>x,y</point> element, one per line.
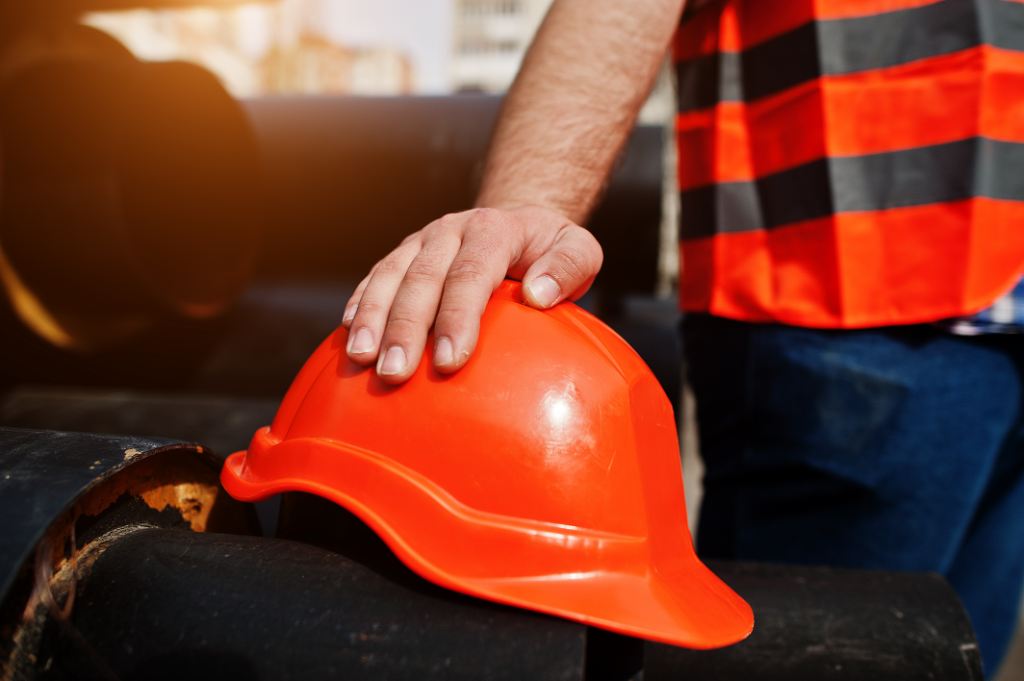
<point>568,113</point>
<point>573,104</point>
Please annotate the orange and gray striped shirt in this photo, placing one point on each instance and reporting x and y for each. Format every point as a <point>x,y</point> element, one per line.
<point>850,163</point>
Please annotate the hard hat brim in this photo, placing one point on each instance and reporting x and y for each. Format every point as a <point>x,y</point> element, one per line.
<point>598,578</point>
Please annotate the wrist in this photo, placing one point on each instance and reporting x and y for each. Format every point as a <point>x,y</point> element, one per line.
<point>507,203</point>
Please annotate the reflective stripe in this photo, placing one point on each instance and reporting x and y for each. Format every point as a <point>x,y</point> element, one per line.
<point>705,81</point>
<point>794,195</point>
<point>782,62</point>
<point>734,27</point>
<point>898,37</point>
<point>844,46</point>
<point>1002,23</point>
<point>942,99</point>
<point>941,173</point>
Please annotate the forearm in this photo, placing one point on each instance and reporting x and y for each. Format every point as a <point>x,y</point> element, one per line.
<point>568,113</point>
<point>573,104</point>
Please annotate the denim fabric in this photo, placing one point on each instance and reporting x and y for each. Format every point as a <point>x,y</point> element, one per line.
<point>899,448</point>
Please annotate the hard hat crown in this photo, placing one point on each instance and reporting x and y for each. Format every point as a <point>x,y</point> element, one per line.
<point>544,474</point>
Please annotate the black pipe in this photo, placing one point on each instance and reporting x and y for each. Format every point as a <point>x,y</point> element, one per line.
<point>814,623</point>
<point>154,598</point>
<point>165,604</point>
<point>349,177</point>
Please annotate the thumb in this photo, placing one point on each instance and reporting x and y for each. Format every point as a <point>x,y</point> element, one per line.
<point>565,270</point>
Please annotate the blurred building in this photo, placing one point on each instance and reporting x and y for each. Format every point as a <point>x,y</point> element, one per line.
<point>262,49</point>
<point>312,65</point>
<point>362,47</point>
<point>490,38</point>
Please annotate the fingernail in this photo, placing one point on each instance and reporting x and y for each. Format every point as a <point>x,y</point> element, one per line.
<point>443,353</point>
<point>361,342</point>
<point>350,313</point>
<point>393,362</point>
<point>544,290</point>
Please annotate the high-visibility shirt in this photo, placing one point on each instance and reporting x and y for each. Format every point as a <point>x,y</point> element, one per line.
<point>850,163</point>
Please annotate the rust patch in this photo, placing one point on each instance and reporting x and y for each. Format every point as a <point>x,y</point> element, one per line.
<point>173,479</point>
<point>177,479</point>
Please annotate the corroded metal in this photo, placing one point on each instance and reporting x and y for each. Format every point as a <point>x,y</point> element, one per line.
<point>62,495</point>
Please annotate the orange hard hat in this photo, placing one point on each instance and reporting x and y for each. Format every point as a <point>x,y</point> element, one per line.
<point>544,474</point>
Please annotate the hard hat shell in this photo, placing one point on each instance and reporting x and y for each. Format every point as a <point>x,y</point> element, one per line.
<point>544,474</point>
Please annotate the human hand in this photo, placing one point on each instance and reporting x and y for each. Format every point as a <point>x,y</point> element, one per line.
<point>444,274</point>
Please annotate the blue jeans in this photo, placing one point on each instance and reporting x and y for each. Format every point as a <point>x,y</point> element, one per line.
<point>898,448</point>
